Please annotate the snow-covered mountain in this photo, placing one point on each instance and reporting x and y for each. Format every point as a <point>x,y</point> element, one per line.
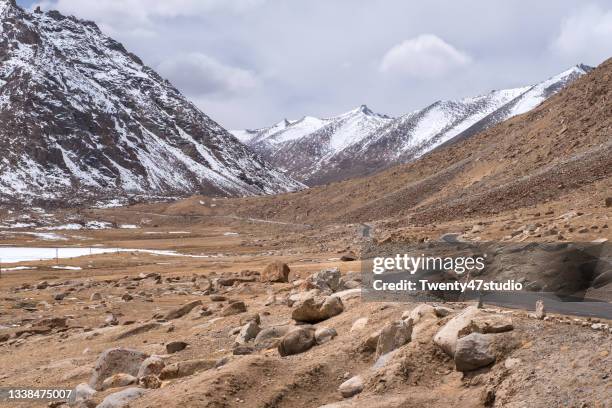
<point>81,116</point>
<point>360,142</point>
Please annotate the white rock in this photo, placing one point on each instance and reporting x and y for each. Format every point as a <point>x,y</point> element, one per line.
<point>121,399</point>
<point>351,387</point>
<point>359,324</point>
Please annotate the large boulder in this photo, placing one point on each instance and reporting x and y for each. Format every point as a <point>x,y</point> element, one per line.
<point>474,351</point>
<point>446,337</point>
<point>121,399</point>
<point>297,341</point>
<point>275,272</point>
<point>115,361</point>
<point>393,336</point>
<point>182,311</point>
<point>317,308</point>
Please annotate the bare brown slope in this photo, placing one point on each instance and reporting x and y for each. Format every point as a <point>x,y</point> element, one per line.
<point>545,155</point>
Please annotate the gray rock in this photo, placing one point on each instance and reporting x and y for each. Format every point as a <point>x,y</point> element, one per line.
<point>182,311</point>
<point>248,332</point>
<point>446,337</point>
<point>442,311</point>
<point>316,309</point>
<point>324,334</point>
<point>269,337</point>
<point>83,392</point>
<point>176,346</point>
<point>297,341</point>
<point>393,336</point>
<point>115,361</point>
<point>151,366</point>
<point>326,280</point>
<point>473,352</point>
<point>121,399</point>
<point>351,387</point>
<point>95,296</point>
<point>234,308</point>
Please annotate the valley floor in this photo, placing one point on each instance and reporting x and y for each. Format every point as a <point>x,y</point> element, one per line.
<point>58,317</point>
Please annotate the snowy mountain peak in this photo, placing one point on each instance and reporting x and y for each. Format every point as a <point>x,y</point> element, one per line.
<point>82,117</point>
<point>360,141</point>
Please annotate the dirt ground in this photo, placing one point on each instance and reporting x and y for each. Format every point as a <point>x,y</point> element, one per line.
<point>557,361</point>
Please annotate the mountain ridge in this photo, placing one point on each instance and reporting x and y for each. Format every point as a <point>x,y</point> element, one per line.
<point>83,117</point>
<point>396,140</point>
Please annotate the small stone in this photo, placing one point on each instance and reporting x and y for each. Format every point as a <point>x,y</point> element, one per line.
<point>150,382</point>
<point>351,387</point>
<point>296,341</point>
<point>83,392</point>
<point>183,310</point>
<point>511,362</point>
<point>218,298</point>
<point>359,324</point>
<point>393,335</point>
<point>234,308</point>
<point>95,296</point>
<point>121,399</point>
<point>473,352</point>
<point>151,366</point>
<point>275,272</point>
<point>324,334</point>
<point>176,346</point>
<point>243,350</point>
<point>316,309</point>
<point>248,332</point>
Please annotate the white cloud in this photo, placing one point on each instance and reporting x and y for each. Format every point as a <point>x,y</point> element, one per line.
<point>586,36</point>
<point>425,56</point>
<point>199,74</point>
<point>135,12</point>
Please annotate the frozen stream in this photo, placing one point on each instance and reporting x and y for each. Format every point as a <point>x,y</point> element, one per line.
<point>24,254</point>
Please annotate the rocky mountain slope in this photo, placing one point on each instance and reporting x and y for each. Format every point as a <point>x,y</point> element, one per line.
<point>309,151</point>
<point>81,116</point>
<point>559,152</point>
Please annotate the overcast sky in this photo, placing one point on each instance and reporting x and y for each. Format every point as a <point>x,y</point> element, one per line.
<point>251,63</point>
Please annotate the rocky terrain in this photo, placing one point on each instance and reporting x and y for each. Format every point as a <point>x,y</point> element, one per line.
<point>362,142</point>
<point>82,117</point>
<point>216,302</point>
<point>272,316</point>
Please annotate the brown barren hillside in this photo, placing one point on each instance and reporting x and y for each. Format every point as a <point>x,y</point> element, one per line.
<point>558,151</point>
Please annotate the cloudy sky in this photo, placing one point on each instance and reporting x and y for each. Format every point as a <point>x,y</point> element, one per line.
<point>251,63</point>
